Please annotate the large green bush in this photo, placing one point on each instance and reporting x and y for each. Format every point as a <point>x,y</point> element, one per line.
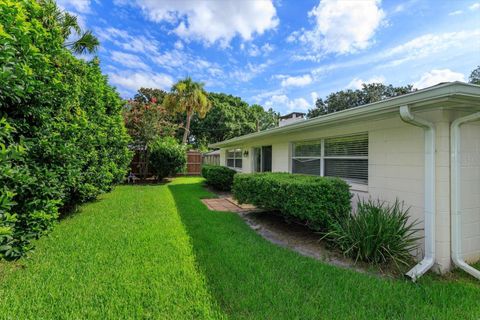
<point>377,233</point>
<point>166,157</point>
<point>63,114</point>
<point>317,201</point>
<point>218,177</point>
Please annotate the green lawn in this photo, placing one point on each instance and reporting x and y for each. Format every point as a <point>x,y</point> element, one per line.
<point>158,252</point>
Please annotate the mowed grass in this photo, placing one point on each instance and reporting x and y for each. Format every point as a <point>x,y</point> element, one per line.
<point>156,252</point>
<point>126,256</point>
<point>254,279</point>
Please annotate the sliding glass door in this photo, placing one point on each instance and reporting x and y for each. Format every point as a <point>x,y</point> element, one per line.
<point>262,159</point>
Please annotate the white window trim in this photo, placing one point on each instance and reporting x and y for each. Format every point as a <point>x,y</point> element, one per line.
<point>354,186</point>
<point>239,169</point>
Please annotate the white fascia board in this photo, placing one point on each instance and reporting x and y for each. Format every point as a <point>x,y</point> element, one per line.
<point>422,99</point>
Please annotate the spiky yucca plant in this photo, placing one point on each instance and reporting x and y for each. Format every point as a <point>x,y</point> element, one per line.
<point>377,233</point>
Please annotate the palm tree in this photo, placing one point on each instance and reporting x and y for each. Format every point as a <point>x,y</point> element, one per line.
<point>85,40</point>
<point>187,96</point>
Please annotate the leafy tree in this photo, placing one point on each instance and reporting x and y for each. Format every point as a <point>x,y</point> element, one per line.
<point>147,121</point>
<point>475,76</point>
<point>150,95</point>
<point>189,97</point>
<point>346,99</point>
<point>264,119</point>
<point>230,117</point>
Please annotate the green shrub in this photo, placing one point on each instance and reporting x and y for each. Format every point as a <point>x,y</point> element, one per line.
<point>63,115</point>
<point>166,157</point>
<point>218,177</point>
<point>317,201</point>
<point>377,233</point>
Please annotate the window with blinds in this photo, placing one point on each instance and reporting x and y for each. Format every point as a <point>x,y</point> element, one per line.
<point>344,157</point>
<point>234,158</point>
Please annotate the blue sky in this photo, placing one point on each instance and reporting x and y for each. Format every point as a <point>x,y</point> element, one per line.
<point>278,53</point>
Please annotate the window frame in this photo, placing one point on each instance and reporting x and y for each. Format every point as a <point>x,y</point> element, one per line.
<point>355,185</point>
<point>234,158</point>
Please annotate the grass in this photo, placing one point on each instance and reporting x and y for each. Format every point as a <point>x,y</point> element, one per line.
<point>126,256</point>
<point>157,252</point>
<point>254,279</point>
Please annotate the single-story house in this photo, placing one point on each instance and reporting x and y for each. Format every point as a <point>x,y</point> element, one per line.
<point>422,148</point>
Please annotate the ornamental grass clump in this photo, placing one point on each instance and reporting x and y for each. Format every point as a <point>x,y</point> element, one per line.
<point>377,233</point>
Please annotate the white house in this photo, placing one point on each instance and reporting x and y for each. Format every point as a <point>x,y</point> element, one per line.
<point>422,148</point>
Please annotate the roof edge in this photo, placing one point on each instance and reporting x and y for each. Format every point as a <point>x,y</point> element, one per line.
<point>436,92</point>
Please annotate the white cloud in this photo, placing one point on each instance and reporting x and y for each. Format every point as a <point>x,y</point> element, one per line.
<point>455,13</point>
<point>130,82</point>
<point>128,60</point>
<point>299,81</point>
<point>177,60</point>
<point>474,6</point>
<point>255,51</point>
<point>178,45</point>
<point>249,72</point>
<point>357,83</point>
<point>436,76</point>
<point>282,102</point>
<point>314,97</point>
<point>82,6</point>
<point>212,21</point>
<point>426,45</point>
<point>123,39</point>
<point>342,26</point>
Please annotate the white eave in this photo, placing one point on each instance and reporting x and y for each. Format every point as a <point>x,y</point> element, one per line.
<point>452,94</point>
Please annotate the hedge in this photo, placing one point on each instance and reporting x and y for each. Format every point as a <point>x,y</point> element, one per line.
<point>316,201</point>
<point>63,132</point>
<point>166,157</point>
<point>218,177</point>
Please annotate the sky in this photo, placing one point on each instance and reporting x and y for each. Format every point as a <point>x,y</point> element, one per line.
<point>282,54</point>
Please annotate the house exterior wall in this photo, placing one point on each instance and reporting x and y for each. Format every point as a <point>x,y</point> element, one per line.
<point>470,190</point>
<point>396,171</point>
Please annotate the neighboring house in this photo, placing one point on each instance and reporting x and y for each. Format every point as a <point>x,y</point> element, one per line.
<point>422,148</point>
<point>212,157</point>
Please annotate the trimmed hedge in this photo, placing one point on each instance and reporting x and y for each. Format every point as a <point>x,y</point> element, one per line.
<point>218,177</point>
<point>317,201</point>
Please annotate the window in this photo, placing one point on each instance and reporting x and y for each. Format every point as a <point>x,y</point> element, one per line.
<point>234,158</point>
<point>345,157</point>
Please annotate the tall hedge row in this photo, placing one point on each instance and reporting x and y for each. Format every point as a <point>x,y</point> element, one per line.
<point>62,139</point>
<point>317,201</point>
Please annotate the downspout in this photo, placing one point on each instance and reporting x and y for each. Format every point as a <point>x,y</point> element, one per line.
<point>429,186</point>
<point>456,192</point>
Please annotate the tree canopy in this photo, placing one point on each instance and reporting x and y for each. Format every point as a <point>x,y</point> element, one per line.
<point>346,99</point>
<point>475,76</point>
<point>230,117</point>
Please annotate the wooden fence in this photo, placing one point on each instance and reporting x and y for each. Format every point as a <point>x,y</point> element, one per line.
<point>139,165</point>
<point>194,163</point>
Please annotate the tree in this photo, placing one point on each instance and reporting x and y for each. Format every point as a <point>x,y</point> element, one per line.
<point>264,119</point>
<point>145,122</point>
<point>150,95</point>
<point>85,41</point>
<point>346,99</point>
<point>189,97</point>
<point>230,117</point>
<point>475,76</point>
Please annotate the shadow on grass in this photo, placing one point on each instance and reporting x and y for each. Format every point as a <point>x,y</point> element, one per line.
<point>253,279</point>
